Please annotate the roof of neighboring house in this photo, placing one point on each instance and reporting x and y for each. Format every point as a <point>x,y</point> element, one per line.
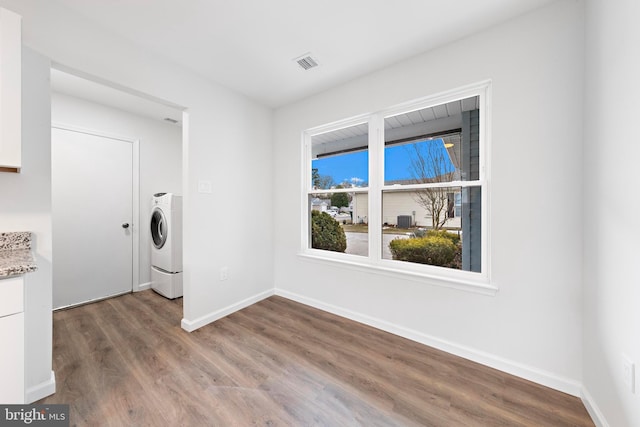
<point>318,202</point>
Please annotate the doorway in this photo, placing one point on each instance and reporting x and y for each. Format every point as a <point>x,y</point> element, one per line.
<point>118,115</point>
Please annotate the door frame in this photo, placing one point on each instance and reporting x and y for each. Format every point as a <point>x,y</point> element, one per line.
<point>135,191</point>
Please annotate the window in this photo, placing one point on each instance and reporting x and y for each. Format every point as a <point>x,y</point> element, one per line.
<point>404,189</point>
<point>339,177</point>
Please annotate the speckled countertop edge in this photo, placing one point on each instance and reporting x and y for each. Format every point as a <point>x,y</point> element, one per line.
<point>15,240</point>
<point>15,254</point>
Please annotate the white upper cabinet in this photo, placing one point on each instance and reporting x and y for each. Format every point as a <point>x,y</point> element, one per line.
<point>10,90</point>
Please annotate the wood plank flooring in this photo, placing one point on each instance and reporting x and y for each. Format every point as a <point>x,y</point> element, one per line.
<point>126,362</point>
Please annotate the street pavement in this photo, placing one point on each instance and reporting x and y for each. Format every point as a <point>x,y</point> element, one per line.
<point>358,243</point>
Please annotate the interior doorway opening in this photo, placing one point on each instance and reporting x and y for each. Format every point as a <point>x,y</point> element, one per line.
<point>87,110</point>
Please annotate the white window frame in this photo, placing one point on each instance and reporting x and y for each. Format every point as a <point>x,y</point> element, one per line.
<point>307,188</point>
<point>442,276</point>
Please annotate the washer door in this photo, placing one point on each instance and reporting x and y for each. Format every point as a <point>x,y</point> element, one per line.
<point>159,228</point>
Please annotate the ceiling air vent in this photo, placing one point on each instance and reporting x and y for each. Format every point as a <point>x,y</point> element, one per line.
<point>306,62</point>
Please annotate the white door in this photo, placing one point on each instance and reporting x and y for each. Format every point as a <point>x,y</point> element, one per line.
<point>92,204</point>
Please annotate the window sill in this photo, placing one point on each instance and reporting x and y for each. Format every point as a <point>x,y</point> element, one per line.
<point>480,286</point>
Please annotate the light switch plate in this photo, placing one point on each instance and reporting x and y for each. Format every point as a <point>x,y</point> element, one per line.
<point>204,186</point>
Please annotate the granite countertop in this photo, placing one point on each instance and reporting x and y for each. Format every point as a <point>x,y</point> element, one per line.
<point>15,254</point>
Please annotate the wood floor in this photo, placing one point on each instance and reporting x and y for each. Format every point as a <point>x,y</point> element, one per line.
<point>126,362</point>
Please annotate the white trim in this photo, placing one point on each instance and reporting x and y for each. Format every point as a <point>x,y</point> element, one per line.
<point>485,175</point>
<point>186,212</point>
<point>136,225</point>
<point>142,287</point>
<point>339,190</point>
<point>593,410</point>
<point>548,379</point>
<point>42,390</point>
<point>91,301</point>
<point>376,182</point>
<point>448,184</point>
<point>445,279</point>
<point>88,131</point>
<point>433,100</point>
<point>192,325</point>
<point>338,125</point>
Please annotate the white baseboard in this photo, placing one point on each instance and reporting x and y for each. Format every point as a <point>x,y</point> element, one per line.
<point>192,325</point>
<point>142,287</point>
<point>548,379</point>
<point>39,391</point>
<point>592,409</point>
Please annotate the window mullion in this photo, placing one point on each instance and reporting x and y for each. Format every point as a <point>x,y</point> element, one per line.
<point>338,190</point>
<point>485,132</point>
<point>306,188</point>
<point>448,184</point>
<point>376,181</point>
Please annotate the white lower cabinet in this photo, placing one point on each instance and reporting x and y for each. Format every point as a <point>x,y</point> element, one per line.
<point>12,339</point>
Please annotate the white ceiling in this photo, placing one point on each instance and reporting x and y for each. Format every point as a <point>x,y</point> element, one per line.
<point>249,45</point>
<point>78,87</point>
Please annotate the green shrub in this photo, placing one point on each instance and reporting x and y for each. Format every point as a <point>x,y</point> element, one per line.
<point>326,233</point>
<point>433,250</point>
<point>454,237</point>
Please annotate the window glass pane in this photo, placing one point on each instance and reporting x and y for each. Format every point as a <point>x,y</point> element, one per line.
<point>439,226</point>
<point>434,144</point>
<point>340,159</point>
<point>332,227</point>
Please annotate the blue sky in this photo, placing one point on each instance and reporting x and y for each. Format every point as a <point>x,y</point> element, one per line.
<point>355,165</point>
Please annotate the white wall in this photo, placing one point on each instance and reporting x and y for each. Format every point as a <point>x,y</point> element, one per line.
<point>160,154</point>
<point>611,274</point>
<point>228,143</point>
<point>532,327</point>
<point>25,205</point>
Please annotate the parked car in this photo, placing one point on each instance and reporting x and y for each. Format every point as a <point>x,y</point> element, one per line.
<point>343,218</point>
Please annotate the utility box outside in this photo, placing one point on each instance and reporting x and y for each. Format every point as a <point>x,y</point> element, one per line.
<point>404,221</point>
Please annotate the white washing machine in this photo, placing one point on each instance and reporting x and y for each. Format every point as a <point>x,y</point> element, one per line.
<point>166,244</point>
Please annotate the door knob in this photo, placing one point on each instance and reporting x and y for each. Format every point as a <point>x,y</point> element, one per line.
<point>125,225</point>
